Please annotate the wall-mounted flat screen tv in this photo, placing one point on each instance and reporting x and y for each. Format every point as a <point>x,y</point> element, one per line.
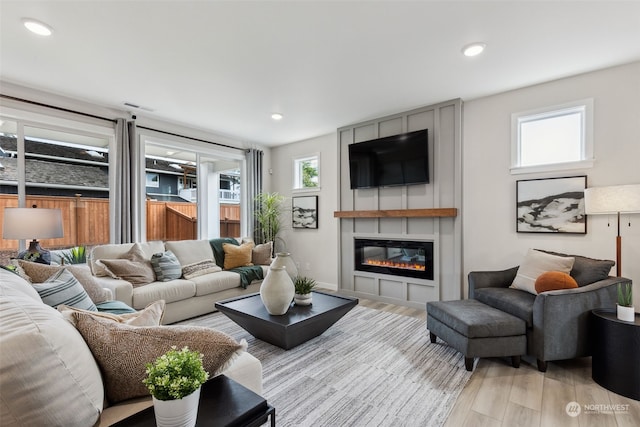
<point>393,160</point>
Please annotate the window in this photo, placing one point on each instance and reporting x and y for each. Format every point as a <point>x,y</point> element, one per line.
<point>553,138</point>
<point>306,172</point>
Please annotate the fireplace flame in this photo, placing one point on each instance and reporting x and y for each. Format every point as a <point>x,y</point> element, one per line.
<point>395,264</point>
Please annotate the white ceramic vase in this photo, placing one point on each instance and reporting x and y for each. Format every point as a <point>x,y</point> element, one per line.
<point>179,412</point>
<point>283,259</point>
<point>277,291</point>
<point>302,299</point>
<point>626,313</point>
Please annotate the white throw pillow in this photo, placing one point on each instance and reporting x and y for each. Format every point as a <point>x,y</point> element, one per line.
<point>534,264</point>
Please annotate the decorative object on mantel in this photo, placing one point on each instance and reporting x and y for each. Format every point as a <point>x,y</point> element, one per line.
<point>625,308</point>
<point>33,223</point>
<point>399,213</point>
<point>551,205</point>
<point>304,213</point>
<point>616,200</point>
<point>277,291</point>
<point>175,380</point>
<point>303,286</point>
<point>283,259</point>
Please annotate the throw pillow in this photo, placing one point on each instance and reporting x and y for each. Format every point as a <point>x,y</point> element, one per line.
<point>150,316</point>
<point>588,270</point>
<point>39,273</point>
<point>133,267</point>
<point>237,256</point>
<point>200,268</point>
<point>534,264</point>
<point>17,268</point>
<point>166,266</point>
<point>554,280</point>
<point>261,254</point>
<point>64,288</point>
<point>123,350</point>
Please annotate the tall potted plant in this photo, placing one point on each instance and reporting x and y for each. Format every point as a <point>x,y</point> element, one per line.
<point>267,213</point>
<point>174,380</point>
<point>625,308</point>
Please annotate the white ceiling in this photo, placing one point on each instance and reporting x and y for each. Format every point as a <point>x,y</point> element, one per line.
<point>226,66</point>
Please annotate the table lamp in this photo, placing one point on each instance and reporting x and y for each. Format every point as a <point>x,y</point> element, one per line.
<point>33,223</point>
<point>616,199</point>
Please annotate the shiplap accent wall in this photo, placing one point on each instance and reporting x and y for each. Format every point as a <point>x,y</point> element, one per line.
<point>443,191</point>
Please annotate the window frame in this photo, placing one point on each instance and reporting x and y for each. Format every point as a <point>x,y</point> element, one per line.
<point>584,107</point>
<point>297,172</point>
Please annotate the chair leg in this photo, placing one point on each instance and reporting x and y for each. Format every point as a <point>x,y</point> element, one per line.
<point>468,363</point>
<point>542,366</point>
<point>515,361</point>
<point>433,337</point>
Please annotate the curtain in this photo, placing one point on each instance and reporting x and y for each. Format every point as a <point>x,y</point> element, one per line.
<point>254,187</point>
<point>128,197</point>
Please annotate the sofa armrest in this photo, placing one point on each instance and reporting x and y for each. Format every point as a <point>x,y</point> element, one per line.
<point>561,318</point>
<point>121,290</point>
<point>491,279</point>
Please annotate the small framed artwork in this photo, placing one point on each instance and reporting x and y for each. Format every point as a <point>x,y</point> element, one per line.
<point>304,212</point>
<point>551,205</point>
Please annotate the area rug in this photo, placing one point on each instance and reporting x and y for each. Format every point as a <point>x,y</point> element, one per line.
<point>372,368</point>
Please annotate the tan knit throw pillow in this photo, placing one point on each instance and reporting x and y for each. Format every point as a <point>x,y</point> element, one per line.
<point>123,350</point>
<point>237,256</point>
<point>151,315</point>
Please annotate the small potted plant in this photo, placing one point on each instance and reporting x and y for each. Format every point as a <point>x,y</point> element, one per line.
<point>303,286</point>
<point>625,302</point>
<point>174,380</point>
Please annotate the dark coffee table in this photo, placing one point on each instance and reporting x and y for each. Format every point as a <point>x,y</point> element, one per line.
<point>299,324</point>
<point>223,403</point>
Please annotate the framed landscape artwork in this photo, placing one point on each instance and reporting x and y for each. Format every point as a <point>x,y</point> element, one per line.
<point>551,205</point>
<point>305,212</point>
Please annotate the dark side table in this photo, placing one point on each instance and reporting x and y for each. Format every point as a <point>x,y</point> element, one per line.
<point>616,353</point>
<point>223,403</point>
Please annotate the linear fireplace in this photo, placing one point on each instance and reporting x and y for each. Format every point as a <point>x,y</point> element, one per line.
<point>396,257</point>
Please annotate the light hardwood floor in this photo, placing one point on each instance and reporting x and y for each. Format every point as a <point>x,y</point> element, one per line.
<point>500,395</point>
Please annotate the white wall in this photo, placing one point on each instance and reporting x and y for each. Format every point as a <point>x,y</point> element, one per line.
<point>490,240</point>
<point>314,250</point>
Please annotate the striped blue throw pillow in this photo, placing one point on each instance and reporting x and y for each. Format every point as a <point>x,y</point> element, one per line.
<point>166,266</point>
<point>64,288</point>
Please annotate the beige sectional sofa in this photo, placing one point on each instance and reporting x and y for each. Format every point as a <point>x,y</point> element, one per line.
<point>184,298</point>
<point>49,376</point>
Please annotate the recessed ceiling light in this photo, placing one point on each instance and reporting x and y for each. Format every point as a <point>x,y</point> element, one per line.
<point>37,27</point>
<point>277,116</point>
<point>473,49</point>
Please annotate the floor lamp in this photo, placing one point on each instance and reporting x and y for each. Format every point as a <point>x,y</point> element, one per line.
<point>33,223</point>
<point>617,199</point>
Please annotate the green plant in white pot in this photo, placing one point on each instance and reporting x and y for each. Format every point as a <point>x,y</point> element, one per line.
<point>174,380</point>
<point>303,286</point>
<point>625,308</point>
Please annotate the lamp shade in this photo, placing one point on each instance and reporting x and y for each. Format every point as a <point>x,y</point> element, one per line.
<point>612,200</point>
<point>32,223</point>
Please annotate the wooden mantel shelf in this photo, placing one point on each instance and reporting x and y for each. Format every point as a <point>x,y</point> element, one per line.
<point>399,213</point>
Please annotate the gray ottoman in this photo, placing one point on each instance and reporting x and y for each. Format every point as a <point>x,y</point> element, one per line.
<point>477,330</point>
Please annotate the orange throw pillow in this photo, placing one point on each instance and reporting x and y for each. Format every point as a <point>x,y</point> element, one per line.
<point>554,280</point>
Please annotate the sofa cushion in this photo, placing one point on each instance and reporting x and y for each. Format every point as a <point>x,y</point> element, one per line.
<point>554,280</point>
<point>166,266</point>
<point>151,315</point>
<point>122,351</point>
<point>119,250</point>
<point>190,251</point>
<point>237,256</point>
<point>39,273</point>
<point>588,270</point>
<point>217,282</point>
<point>199,268</point>
<point>513,301</point>
<point>172,291</point>
<point>261,254</point>
<point>534,264</point>
<point>134,267</point>
<point>48,375</point>
<point>64,288</point>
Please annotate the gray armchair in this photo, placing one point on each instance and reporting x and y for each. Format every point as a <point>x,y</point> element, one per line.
<point>557,321</point>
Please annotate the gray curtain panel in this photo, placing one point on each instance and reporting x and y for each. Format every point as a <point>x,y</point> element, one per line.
<point>129,168</point>
<point>254,186</point>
